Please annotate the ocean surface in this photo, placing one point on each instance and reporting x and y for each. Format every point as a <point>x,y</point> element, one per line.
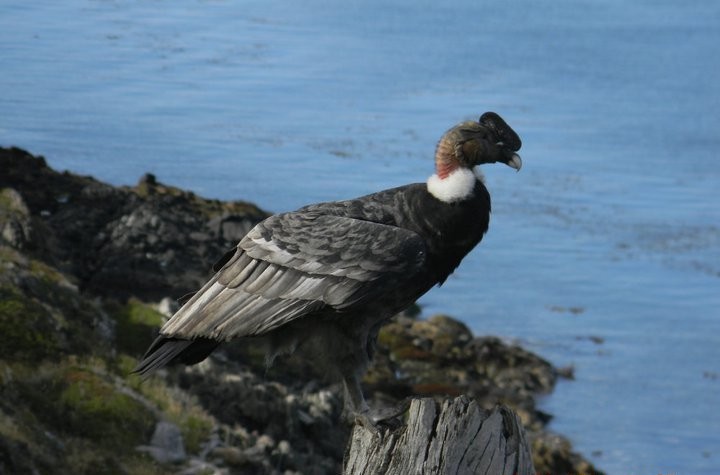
<point>603,252</point>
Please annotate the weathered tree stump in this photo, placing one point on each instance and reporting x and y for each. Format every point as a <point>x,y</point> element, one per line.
<point>456,438</point>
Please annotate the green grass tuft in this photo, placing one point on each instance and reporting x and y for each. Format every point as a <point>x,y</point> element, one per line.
<point>27,328</point>
<point>137,325</point>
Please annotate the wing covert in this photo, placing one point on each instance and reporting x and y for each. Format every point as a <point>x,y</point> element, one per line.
<point>333,245</point>
<point>293,264</point>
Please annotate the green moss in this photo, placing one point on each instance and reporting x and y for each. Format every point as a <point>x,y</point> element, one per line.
<point>390,337</point>
<point>82,401</point>
<point>123,365</point>
<point>142,464</point>
<point>6,201</point>
<point>148,187</point>
<point>9,429</point>
<point>27,328</point>
<point>20,452</point>
<point>178,407</point>
<point>195,429</point>
<point>83,457</point>
<point>71,417</point>
<point>47,273</point>
<point>93,407</point>
<point>41,313</point>
<point>142,314</point>
<point>8,254</point>
<point>137,324</point>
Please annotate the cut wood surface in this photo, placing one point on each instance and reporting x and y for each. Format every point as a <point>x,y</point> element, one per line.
<point>454,437</point>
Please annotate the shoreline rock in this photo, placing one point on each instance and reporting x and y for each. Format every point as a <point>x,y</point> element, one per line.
<point>147,241</point>
<point>83,268</point>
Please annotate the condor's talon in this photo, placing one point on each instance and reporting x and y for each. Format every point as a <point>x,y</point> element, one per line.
<point>379,420</point>
<point>366,421</point>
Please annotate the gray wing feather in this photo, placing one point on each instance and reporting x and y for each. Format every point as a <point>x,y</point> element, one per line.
<point>332,245</point>
<point>293,264</point>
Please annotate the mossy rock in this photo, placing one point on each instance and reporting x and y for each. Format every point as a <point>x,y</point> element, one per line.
<point>29,331</point>
<point>553,453</point>
<point>72,417</point>
<point>136,325</point>
<point>81,401</point>
<point>15,221</point>
<point>148,187</point>
<point>440,339</point>
<point>196,429</point>
<point>394,335</point>
<point>42,313</point>
<point>176,405</point>
<point>23,448</point>
<point>84,457</point>
<point>94,408</point>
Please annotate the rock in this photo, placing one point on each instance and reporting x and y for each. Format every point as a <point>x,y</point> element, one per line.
<point>15,221</point>
<point>553,454</point>
<point>230,227</point>
<point>35,302</point>
<point>439,356</point>
<point>148,241</point>
<point>305,422</point>
<point>166,445</point>
<point>167,307</point>
<point>17,457</point>
<point>233,456</point>
<point>201,467</point>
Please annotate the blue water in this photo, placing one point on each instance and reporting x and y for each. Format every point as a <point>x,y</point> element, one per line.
<point>611,230</point>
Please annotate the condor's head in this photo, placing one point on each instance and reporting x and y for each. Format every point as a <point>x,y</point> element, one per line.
<point>468,144</point>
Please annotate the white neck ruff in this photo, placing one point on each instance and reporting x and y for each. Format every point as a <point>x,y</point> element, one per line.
<point>457,186</point>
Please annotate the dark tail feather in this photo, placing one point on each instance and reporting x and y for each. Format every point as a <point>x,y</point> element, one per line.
<point>168,351</point>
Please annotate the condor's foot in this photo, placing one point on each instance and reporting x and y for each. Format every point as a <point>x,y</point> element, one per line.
<point>386,418</point>
<point>358,412</point>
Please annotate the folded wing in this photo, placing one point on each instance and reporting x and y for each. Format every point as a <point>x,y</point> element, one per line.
<point>294,264</point>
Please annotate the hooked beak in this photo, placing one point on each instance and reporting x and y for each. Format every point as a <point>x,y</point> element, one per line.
<point>515,162</point>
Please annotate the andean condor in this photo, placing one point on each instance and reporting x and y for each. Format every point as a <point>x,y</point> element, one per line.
<point>327,276</point>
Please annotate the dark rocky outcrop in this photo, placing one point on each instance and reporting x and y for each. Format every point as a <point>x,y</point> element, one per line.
<point>147,241</point>
<point>82,266</point>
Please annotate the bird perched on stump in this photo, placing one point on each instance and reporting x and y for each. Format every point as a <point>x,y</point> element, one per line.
<point>327,276</point>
